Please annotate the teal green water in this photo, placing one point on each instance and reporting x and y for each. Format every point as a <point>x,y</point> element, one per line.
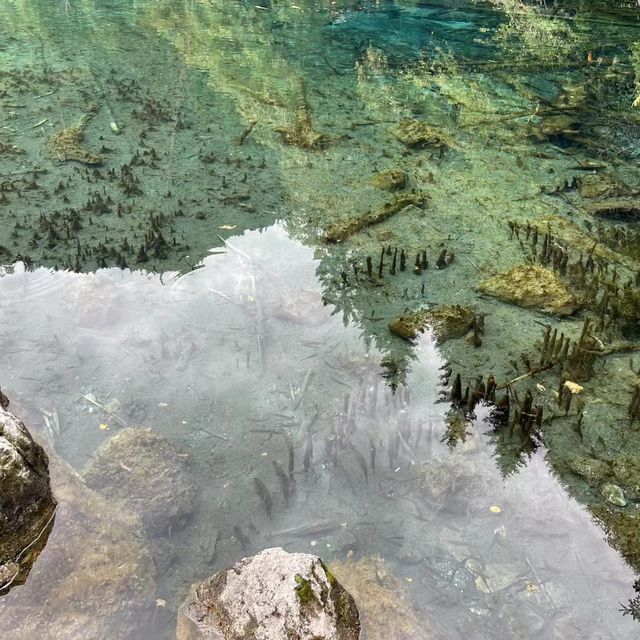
<point>174,177</point>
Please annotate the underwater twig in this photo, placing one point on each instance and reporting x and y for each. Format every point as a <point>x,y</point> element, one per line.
<point>258,306</point>
<point>334,69</point>
<point>51,423</point>
<point>474,265</point>
<point>340,231</point>
<point>215,435</point>
<point>21,173</point>
<point>245,134</point>
<point>623,347</point>
<point>113,414</point>
<point>370,123</point>
<point>511,116</point>
<point>524,376</point>
<point>43,95</point>
<point>297,397</point>
<point>35,126</point>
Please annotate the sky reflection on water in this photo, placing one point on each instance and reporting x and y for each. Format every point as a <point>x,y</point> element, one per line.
<point>237,357</point>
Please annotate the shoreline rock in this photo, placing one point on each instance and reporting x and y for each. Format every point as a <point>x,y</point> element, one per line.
<point>27,505</point>
<point>95,578</point>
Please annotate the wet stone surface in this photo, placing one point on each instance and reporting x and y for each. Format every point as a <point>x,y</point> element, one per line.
<point>27,505</point>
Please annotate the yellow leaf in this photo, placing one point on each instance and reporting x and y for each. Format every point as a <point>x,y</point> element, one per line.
<point>227,226</point>
<point>494,508</point>
<point>573,387</point>
<point>103,426</point>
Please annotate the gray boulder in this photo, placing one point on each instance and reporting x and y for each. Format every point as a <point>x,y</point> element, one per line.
<point>27,506</point>
<point>270,596</point>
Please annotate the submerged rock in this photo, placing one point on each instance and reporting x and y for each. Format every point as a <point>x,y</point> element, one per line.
<point>272,595</point>
<point>532,287</point>
<point>148,474</point>
<point>613,494</point>
<point>302,307</point>
<point>414,133</point>
<point>600,185</point>
<point>302,134</point>
<point>626,470</point>
<point>27,506</point>
<point>389,180</point>
<point>615,209</point>
<point>95,579</point>
<point>570,234</point>
<point>446,321</point>
<point>594,471</point>
<point>66,144</point>
<point>384,609</point>
<point>551,126</point>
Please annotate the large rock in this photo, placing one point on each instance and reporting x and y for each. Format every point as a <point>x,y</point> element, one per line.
<point>94,580</point>
<point>148,474</point>
<point>270,596</point>
<point>27,506</point>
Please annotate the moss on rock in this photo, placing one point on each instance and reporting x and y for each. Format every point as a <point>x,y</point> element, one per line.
<point>532,287</point>
<point>305,590</point>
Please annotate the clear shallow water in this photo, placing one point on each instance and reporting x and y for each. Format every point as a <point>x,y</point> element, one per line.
<point>182,357</point>
<point>234,360</point>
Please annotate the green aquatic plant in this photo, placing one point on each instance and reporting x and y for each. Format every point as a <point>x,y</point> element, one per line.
<point>543,39</point>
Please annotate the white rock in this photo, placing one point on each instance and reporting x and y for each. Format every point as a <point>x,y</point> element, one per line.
<point>270,596</point>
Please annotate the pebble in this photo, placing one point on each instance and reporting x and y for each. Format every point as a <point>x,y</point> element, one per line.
<point>613,494</point>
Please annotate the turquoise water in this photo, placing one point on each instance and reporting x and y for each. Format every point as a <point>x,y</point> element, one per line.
<point>172,173</point>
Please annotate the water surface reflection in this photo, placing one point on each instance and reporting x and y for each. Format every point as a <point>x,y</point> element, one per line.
<point>237,363</point>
